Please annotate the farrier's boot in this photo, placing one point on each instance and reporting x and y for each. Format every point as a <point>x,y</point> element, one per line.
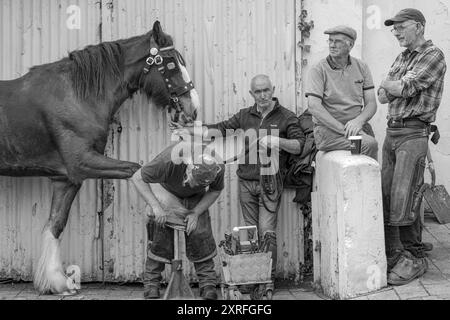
<point>208,293</point>
<point>151,293</point>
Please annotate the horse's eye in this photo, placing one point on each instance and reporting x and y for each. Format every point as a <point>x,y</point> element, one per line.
<point>171,66</point>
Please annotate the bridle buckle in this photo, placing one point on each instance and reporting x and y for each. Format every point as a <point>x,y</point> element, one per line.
<point>175,91</point>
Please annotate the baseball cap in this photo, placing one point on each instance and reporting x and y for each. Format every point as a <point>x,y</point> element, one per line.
<point>205,170</point>
<point>346,30</point>
<point>405,15</point>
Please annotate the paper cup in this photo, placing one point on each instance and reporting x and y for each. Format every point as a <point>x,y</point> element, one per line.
<point>355,144</point>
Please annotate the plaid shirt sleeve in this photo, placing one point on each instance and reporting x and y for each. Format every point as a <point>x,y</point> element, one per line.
<point>426,71</point>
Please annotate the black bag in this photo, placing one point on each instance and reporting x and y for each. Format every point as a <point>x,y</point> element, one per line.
<point>300,168</point>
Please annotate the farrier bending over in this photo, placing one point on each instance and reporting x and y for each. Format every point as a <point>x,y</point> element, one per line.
<point>195,183</point>
<point>413,90</point>
<point>341,96</point>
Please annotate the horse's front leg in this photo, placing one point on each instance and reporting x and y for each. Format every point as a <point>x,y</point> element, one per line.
<point>94,165</point>
<point>49,276</point>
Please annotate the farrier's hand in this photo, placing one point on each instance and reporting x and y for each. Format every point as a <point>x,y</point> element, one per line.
<point>353,127</point>
<point>191,222</point>
<point>160,215</point>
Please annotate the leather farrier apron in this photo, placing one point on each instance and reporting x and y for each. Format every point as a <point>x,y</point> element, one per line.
<point>200,244</point>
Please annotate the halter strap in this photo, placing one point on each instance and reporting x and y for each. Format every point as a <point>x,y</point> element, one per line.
<point>175,91</point>
<point>167,48</point>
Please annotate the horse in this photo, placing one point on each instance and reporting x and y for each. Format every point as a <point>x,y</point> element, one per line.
<point>54,123</point>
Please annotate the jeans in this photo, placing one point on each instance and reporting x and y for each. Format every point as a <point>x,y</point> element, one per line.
<point>403,168</point>
<point>261,212</point>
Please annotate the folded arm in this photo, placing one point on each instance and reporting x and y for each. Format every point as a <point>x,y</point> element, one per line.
<point>426,71</point>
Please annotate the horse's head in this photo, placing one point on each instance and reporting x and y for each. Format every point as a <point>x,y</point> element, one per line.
<point>162,75</point>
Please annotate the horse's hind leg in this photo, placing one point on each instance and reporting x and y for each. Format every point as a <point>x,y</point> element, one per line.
<point>49,276</point>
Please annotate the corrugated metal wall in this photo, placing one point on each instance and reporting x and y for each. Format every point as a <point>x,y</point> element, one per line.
<point>225,43</point>
<point>34,32</point>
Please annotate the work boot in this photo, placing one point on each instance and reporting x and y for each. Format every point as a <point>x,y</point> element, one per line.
<point>151,293</point>
<point>392,258</point>
<point>208,293</point>
<point>407,269</point>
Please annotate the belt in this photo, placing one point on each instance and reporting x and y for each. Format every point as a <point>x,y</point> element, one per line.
<point>408,123</point>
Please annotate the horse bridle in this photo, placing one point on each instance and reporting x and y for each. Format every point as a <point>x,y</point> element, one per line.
<point>168,66</point>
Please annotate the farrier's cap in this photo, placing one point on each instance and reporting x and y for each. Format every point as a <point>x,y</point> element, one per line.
<point>205,170</point>
<point>405,15</point>
<point>346,30</point>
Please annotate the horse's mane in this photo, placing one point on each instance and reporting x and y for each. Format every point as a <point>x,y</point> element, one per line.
<point>89,68</point>
<point>91,65</point>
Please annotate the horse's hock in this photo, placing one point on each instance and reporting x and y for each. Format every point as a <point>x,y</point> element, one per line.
<point>348,232</point>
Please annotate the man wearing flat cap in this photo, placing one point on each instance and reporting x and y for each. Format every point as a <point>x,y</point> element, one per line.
<point>413,90</point>
<point>341,96</point>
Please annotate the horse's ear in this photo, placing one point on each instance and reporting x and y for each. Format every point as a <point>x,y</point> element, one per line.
<point>157,32</point>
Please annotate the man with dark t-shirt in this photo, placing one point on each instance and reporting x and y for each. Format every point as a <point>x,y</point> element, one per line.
<point>196,182</point>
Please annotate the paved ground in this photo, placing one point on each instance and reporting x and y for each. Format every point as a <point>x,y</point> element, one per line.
<point>126,292</point>
<point>434,285</point>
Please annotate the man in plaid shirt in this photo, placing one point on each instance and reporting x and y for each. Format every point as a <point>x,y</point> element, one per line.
<point>413,90</point>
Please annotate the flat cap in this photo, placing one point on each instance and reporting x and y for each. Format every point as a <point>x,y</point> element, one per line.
<point>346,30</point>
<point>405,15</point>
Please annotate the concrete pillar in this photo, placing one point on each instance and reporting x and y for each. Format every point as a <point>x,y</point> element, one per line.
<point>348,232</point>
